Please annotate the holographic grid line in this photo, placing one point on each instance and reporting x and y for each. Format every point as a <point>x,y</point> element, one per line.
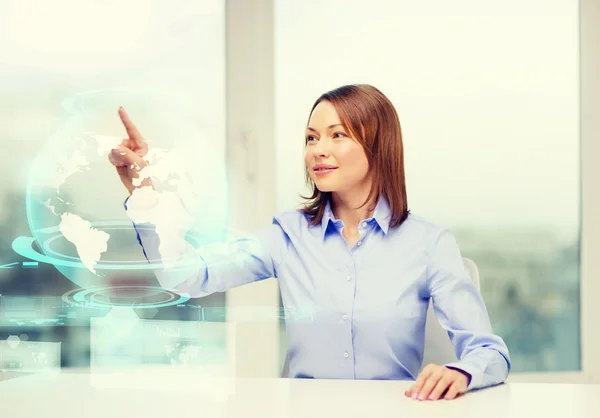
<point>90,297</point>
<point>24,246</point>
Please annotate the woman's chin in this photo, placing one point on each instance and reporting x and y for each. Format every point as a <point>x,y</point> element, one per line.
<point>323,187</point>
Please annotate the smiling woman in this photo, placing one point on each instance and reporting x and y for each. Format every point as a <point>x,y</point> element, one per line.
<point>353,146</point>
<point>338,259</point>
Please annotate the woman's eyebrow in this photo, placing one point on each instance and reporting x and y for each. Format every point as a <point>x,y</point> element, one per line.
<point>329,127</point>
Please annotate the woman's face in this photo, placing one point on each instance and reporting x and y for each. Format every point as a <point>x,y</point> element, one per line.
<point>335,161</point>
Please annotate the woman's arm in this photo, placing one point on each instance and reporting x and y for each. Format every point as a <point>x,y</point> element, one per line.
<point>161,223</point>
<point>461,311</point>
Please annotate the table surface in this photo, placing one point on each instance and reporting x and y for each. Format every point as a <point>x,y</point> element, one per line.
<point>160,392</point>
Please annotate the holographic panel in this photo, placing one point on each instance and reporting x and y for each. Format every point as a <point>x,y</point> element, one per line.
<point>124,340</point>
<point>132,353</point>
<point>45,311</point>
<point>17,354</point>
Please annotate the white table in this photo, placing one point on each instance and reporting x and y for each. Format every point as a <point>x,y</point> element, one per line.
<point>161,392</point>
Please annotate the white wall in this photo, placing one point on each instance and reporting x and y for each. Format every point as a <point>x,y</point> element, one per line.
<point>250,156</point>
<point>590,171</point>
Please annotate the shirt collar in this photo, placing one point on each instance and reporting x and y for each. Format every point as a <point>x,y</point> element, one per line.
<point>327,217</point>
<point>381,215</point>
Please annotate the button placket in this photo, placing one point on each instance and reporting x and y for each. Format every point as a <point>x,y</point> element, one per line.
<point>345,320</point>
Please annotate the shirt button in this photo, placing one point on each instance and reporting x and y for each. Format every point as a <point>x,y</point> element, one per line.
<point>346,354</point>
<point>364,224</point>
<point>344,317</point>
<point>349,278</point>
<point>359,242</point>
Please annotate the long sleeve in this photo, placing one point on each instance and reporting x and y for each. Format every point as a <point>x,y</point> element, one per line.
<point>161,223</point>
<point>461,311</point>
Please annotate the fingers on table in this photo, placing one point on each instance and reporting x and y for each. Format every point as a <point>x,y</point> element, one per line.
<point>454,390</point>
<point>440,388</point>
<point>436,382</point>
<point>434,379</point>
<point>423,377</point>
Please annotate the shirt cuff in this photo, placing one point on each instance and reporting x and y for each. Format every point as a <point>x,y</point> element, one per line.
<point>471,370</point>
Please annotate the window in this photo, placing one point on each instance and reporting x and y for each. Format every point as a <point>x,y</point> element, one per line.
<point>487,95</point>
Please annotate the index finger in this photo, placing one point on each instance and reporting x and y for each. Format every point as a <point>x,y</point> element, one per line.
<point>418,385</point>
<point>131,129</point>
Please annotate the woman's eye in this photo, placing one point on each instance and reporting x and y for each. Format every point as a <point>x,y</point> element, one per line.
<point>339,135</point>
<point>310,138</point>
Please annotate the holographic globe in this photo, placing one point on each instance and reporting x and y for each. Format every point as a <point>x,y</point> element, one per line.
<point>75,200</point>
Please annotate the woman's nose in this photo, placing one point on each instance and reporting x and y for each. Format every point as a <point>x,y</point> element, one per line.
<point>321,149</point>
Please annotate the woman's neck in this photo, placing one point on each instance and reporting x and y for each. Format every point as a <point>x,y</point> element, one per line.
<point>347,207</point>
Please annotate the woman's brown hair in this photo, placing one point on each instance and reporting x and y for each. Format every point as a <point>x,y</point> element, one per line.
<point>371,119</point>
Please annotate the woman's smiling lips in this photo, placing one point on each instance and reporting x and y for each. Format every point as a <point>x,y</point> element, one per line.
<point>323,169</point>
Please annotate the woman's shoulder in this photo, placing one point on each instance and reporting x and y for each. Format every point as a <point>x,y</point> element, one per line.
<point>419,223</point>
<point>292,218</point>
